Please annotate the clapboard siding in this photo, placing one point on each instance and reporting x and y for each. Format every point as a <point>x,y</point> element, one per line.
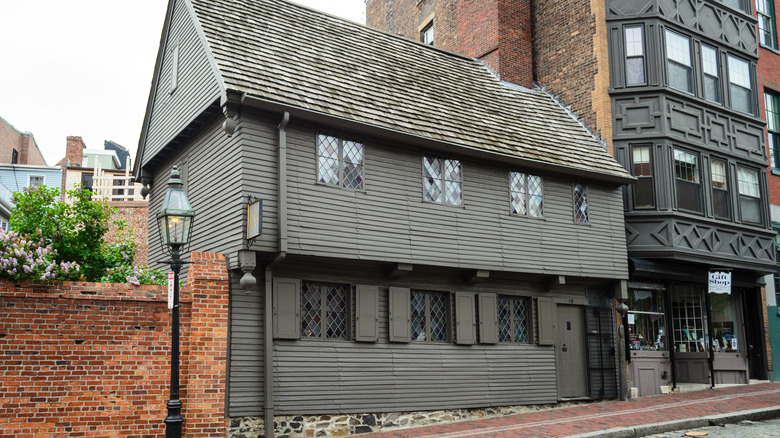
<point>389,220</point>
<point>246,375</point>
<point>197,85</point>
<point>211,171</point>
<point>329,377</point>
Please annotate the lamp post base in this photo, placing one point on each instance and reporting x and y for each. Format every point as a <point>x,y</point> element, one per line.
<point>174,420</point>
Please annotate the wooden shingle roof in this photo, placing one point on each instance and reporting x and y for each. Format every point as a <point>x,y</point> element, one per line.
<point>280,52</point>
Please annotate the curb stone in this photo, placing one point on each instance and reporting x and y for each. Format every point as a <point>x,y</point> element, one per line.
<point>688,423</point>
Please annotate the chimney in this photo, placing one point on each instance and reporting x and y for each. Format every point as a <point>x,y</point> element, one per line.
<point>74,150</point>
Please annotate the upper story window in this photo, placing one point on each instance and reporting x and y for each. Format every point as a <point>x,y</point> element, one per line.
<point>710,71</point>
<point>426,34</point>
<point>581,203</point>
<point>772,105</point>
<point>442,180</point>
<point>635,55</point>
<point>429,316</point>
<point>737,4</point>
<point>14,156</point>
<point>766,23</point>
<point>720,189</point>
<point>688,182</point>
<point>526,194</point>
<point>513,320</point>
<point>678,61</point>
<point>34,181</point>
<point>324,310</point>
<point>641,168</point>
<point>749,195</point>
<point>339,162</point>
<point>739,85</point>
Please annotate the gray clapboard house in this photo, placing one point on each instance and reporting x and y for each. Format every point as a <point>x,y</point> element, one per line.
<point>431,237</point>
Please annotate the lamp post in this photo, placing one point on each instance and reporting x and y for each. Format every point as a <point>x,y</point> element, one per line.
<point>175,220</point>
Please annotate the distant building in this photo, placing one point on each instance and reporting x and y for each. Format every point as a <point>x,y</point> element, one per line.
<point>17,147</point>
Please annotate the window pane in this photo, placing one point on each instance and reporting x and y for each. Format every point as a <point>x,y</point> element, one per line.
<point>711,73</point>
<point>719,174</point>
<point>520,320</point>
<point>749,195</point>
<point>686,166</point>
<point>535,202</point>
<point>581,203</point>
<point>736,4</point>
<point>452,179</point>
<point>635,71</point>
<point>635,62</point>
<point>504,320</point>
<point>311,302</point>
<point>720,199</point>
<point>641,155</point>
<point>646,320</point>
<point>432,179</point>
<point>418,316</point>
<point>335,312</point>
<point>688,317</point>
<point>748,182</point>
<point>634,46</point>
<point>643,193</point>
<point>724,323</point>
<point>517,192</point>
<point>678,54</point>
<point>327,159</point>
<point>353,165</point>
<point>438,317</point>
<point>739,78</point>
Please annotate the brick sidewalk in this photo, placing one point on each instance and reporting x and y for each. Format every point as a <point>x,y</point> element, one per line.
<point>561,422</point>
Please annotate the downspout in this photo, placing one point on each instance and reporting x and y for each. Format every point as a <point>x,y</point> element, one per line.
<point>268,338</point>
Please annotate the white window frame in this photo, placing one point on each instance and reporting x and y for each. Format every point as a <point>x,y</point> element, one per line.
<point>30,178</point>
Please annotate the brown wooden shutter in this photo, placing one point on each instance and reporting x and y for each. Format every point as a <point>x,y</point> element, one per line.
<point>400,318</point>
<point>465,319</point>
<point>367,313</point>
<point>546,321</point>
<point>488,318</point>
<point>287,308</point>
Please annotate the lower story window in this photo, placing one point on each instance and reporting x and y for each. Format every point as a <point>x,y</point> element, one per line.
<point>724,323</point>
<point>688,317</point>
<point>646,319</point>
<point>513,319</point>
<point>429,316</point>
<point>324,310</point>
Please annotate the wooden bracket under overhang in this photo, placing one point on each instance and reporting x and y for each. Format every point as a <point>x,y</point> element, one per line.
<point>555,282</point>
<point>477,276</point>
<point>400,270</point>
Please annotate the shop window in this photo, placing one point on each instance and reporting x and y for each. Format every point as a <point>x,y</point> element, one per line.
<point>525,194</point>
<point>710,70</point>
<point>772,105</point>
<point>688,318</point>
<point>641,168</point>
<point>749,195</point>
<point>724,323</point>
<point>646,320</point>
<point>686,171</point>
<point>720,189</point>
<point>678,61</point>
<point>739,85</point>
<point>766,23</point>
<point>635,55</point>
<point>339,162</point>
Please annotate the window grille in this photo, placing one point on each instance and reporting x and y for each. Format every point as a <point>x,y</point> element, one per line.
<point>429,316</point>
<point>442,180</point>
<point>688,317</point>
<point>678,61</point>
<point>324,311</point>
<point>526,194</point>
<point>339,162</point>
<point>581,203</point>
<point>513,319</point>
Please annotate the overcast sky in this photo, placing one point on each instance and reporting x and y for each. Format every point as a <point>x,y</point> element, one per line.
<point>84,67</point>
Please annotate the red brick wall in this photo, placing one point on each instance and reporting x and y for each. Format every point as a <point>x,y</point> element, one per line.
<point>406,18</point>
<point>24,144</point>
<point>769,78</point>
<point>88,359</point>
<point>74,150</point>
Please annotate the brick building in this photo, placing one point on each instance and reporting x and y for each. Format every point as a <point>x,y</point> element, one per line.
<point>674,92</point>
<point>18,147</point>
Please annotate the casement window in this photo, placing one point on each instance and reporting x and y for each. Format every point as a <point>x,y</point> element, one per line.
<point>426,34</point>
<point>710,72</point>
<point>324,310</point>
<point>739,85</point>
<point>581,203</point>
<point>720,189</point>
<point>678,61</point>
<point>526,194</point>
<point>34,181</point>
<point>635,55</point>
<point>688,181</point>
<point>339,162</point>
<point>749,195</point>
<point>766,23</point>
<point>442,180</point>
<point>643,190</point>
<point>513,320</point>
<point>772,106</point>
<point>429,316</point>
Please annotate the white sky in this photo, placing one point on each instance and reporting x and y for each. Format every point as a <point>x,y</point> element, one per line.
<point>84,67</point>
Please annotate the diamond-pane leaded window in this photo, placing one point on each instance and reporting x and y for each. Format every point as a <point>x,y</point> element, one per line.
<point>324,310</point>
<point>339,162</point>
<point>429,316</point>
<point>580,203</point>
<point>442,180</point>
<point>525,193</point>
<point>513,319</point>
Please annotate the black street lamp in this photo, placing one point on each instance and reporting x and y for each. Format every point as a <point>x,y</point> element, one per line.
<point>175,220</point>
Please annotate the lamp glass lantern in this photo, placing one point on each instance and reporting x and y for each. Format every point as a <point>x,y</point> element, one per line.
<point>176,215</point>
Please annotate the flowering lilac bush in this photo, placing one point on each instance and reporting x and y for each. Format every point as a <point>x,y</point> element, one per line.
<point>134,275</point>
<point>29,257</point>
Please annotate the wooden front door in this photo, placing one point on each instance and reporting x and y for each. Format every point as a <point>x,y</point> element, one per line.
<point>570,352</point>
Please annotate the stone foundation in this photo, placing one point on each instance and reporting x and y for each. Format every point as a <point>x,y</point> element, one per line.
<point>326,426</point>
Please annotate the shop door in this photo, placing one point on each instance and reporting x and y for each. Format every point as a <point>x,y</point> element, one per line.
<point>753,317</point>
<point>570,353</point>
